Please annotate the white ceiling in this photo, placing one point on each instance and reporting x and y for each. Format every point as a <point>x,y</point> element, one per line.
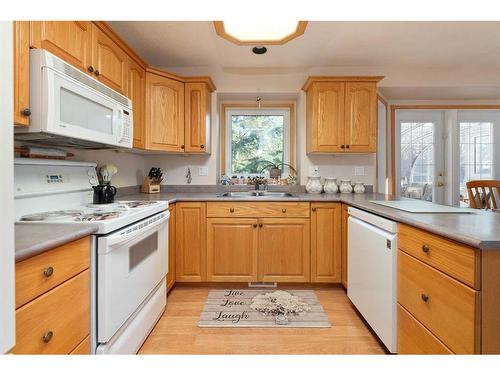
<point>412,44</point>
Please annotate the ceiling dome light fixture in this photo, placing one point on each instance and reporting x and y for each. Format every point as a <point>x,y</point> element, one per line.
<point>259,50</point>
<point>259,32</point>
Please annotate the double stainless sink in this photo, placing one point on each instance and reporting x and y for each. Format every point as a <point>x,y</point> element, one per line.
<point>255,194</point>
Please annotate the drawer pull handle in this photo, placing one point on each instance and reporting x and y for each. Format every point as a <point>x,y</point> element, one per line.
<point>49,271</point>
<point>425,297</point>
<point>47,336</point>
<point>261,225</point>
<point>254,225</point>
<point>313,209</point>
<point>231,210</point>
<point>425,248</point>
<point>283,210</point>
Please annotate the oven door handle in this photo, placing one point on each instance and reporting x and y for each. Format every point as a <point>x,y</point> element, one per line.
<point>122,238</point>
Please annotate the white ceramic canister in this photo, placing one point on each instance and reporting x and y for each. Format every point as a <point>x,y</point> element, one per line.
<point>313,185</point>
<point>331,186</point>
<point>359,187</point>
<point>345,186</point>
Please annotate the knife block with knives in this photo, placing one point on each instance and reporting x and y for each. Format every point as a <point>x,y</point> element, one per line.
<point>152,181</point>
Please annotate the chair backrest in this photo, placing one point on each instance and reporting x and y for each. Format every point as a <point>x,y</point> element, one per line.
<point>482,193</point>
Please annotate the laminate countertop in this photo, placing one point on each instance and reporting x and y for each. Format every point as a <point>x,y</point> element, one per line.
<point>34,239</point>
<point>480,229</point>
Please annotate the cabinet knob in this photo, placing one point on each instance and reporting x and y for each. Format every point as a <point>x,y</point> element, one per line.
<point>231,210</point>
<point>347,146</point>
<point>26,112</point>
<point>182,147</point>
<point>313,209</point>
<point>90,69</point>
<point>202,146</point>
<point>97,73</point>
<point>254,225</point>
<point>342,146</point>
<point>425,297</point>
<point>283,210</point>
<point>47,272</point>
<point>47,336</point>
<point>261,225</point>
<point>425,248</point>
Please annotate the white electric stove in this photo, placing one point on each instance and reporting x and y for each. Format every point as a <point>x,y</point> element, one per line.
<point>129,250</point>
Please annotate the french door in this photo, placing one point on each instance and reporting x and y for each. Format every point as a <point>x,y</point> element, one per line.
<point>420,155</point>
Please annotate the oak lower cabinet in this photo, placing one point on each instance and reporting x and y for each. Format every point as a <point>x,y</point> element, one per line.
<point>341,114</point>
<point>53,301</point>
<point>171,248</point>
<point>326,254</point>
<point>284,250</point>
<point>232,246</point>
<point>190,249</point>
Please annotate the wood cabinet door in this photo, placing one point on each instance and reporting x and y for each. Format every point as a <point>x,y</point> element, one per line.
<point>109,61</point>
<point>361,117</point>
<point>197,118</point>
<point>136,91</point>
<point>171,248</point>
<point>21,56</point>
<point>345,216</point>
<point>232,249</point>
<point>326,229</point>
<point>68,40</point>
<point>190,255</point>
<point>284,250</point>
<point>164,113</point>
<point>325,117</point>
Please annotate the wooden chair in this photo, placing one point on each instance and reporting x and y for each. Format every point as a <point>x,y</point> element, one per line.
<point>479,197</point>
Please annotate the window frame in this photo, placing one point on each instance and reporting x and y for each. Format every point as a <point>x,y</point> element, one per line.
<point>228,109</point>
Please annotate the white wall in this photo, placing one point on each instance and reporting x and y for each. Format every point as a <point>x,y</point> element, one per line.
<point>7,322</point>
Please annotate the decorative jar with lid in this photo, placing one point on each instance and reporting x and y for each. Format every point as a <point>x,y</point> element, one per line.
<point>313,185</point>
<point>359,187</point>
<point>330,186</point>
<point>345,186</point>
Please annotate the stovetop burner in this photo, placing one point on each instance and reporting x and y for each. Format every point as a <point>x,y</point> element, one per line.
<point>53,215</point>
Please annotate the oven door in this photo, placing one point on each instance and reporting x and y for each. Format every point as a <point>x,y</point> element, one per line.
<point>73,109</point>
<point>130,264</point>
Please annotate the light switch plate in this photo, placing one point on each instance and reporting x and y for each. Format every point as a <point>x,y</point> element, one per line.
<point>359,171</point>
<point>203,171</point>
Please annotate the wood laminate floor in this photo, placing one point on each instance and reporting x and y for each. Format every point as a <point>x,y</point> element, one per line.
<point>177,332</point>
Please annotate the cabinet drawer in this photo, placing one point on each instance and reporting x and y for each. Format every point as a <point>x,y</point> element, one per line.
<point>446,307</point>
<point>258,209</point>
<point>36,275</point>
<point>64,311</point>
<point>454,259</point>
<point>82,348</point>
<point>414,338</point>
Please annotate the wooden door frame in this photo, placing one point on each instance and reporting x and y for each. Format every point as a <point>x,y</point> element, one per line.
<point>397,107</point>
<point>290,105</point>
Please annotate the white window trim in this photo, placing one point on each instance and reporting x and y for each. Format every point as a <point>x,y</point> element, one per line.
<point>256,111</point>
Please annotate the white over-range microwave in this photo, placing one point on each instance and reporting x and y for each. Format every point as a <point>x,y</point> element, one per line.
<point>70,109</point>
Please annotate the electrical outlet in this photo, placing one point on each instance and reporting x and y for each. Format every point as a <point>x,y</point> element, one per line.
<point>359,171</point>
<point>314,170</point>
<point>203,171</point>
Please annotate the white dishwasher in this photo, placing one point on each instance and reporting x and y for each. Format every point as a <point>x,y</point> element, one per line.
<point>372,272</point>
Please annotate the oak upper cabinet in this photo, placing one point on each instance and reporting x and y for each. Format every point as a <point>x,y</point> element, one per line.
<point>171,248</point>
<point>197,117</point>
<point>164,112</point>
<point>190,250</point>
<point>361,116</point>
<point>232,245</point>
<point>341,114</point>
<point>109,61</point>
<point>21,54</point>
<point>68,40</point>
<point>136,91</point>
<point>326,242</point>
<point>325,117</point>
<point>284,250</point>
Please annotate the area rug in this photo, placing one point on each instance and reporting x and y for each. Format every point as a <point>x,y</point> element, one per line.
<point>263,308</point>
